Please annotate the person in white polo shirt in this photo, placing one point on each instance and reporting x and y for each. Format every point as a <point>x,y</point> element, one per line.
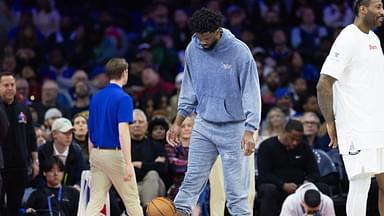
<point>349,93</point>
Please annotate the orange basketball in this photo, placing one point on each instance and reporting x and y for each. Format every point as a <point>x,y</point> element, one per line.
<point>161,206</point>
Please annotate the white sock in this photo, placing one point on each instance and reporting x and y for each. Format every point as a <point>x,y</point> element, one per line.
<point>358,195</point>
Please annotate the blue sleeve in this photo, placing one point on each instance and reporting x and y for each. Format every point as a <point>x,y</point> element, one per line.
<point>187,99</point>
<point>251,99</point>
<point>125,110</point>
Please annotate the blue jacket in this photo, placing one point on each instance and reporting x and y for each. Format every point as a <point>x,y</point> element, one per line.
<point>221,85</point>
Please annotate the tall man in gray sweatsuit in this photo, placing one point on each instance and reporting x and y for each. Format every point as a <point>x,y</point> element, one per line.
<point>221,85</point>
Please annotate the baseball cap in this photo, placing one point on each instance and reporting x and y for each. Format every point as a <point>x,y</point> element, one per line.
<point>62,125</point>
<point>53,112</point>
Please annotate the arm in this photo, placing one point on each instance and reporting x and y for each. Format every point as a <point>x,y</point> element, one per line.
<point>327,206</point>
<point>32,146</point>
<point>90,145</point>
<point>186,105</point>
<point>251,103</point>
<point>265,166</point>
<point>325,99</point>
<point>325,96</point>
<point>159,164</point>
<point>251,99</point>
<point>289,206</point>
<point>125,142</point>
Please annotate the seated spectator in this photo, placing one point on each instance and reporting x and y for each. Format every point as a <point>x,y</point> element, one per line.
<point>57,68</point>
<point>82,93</point>
<point>311,124</point>
<point>80,135</point>
<point>50,97</point>
<point>49,117</point>
<point>284,100</point>
<point>53,198</point>
<point>178,156</point>
<point>273,125</point>
<point>157,128</point>
<point>148,158</point>
<point>40,135</point>
<point>307,200</point>
<point>306,36</point>
<point>284,162</point>
<point>154,85</point>
<point>63,147</point>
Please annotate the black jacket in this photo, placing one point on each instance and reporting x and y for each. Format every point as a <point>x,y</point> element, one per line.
<point>146,151</point>
<point>74,164</point>
<point>4,124</point>
<point>277,165</point>
<point>67,205</point>
<point>20,139</point>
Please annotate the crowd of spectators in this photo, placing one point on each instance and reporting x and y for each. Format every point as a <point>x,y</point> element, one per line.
<point>57,49</point>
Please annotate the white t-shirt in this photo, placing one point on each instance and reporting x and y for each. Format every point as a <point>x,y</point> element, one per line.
<point>356,60</point>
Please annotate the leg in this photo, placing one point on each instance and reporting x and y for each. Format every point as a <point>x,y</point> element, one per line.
<point>152,186</point>
<point>217,196</point>
<point>202,155</point>
<point>358,194</point>
<point>127,190</point>
<point>236,170</point>
<point>380,183</point>
<point>269,197</point>
<point>15,183</point>
<point>100,185</point>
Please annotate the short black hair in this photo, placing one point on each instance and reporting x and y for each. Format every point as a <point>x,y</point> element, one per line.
<point>293,124</point>
<point>205,20</point>
<point>357,5</point>
<point>52,161</point>
<point>312,198</point>
<point>157,121</point>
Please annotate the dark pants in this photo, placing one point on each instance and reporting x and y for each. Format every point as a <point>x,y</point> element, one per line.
<point>14,185</point>
<point>271,199</point>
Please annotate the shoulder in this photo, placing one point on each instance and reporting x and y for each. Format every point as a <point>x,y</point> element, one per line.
<point>75,147</point>
<point>348,34</point>
<point>46,148</point>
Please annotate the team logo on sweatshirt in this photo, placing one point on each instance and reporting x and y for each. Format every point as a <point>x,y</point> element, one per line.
<point>22,118</point>
<point>227,66</point>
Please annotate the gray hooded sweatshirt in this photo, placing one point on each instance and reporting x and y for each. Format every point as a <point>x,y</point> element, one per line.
<point>221,85</point>
<point>292,204</point>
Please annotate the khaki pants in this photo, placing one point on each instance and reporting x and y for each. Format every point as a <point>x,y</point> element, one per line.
<point>217,196</point>
<point>107,168</point>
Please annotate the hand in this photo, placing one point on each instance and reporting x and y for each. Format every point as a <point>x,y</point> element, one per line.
<point>173,135</point>
<point>128,172</point>
<point>30,210</point>
<point>35,169</point>
<point>289,188</point>
<point>331,128</point>
<point>137,164</point>
<point>160,159</point>
<point>77,187</point>
<point>248,143</point>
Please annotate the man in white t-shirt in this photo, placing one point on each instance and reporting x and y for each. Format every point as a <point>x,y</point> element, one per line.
<point>349,93</point>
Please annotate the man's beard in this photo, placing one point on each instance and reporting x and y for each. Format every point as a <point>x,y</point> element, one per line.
<point>211,47</point>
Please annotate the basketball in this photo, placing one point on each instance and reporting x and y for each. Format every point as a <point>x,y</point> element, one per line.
<point>161,206</point>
